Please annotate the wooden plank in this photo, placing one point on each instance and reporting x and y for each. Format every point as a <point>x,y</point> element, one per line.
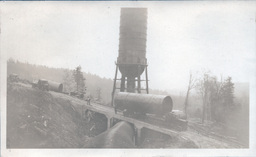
<point>110,112</point>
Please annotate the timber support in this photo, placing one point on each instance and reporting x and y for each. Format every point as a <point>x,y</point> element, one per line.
<point>110,121</point>
<point>137,137</point>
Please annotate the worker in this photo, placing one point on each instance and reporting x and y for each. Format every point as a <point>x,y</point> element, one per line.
<point>115,109</point>
<point>88,100</point>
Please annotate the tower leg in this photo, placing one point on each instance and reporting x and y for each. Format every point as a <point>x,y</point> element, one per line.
<point>131,84</point>
<point>139,86</point>
<point>138,135</point>
<point>146,72</point>
<point>122,84</point>
<point>114,87</point>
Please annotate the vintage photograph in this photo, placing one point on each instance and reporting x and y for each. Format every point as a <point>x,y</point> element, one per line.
<point>166,75</point>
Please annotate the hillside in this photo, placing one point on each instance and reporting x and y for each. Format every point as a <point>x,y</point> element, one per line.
<point>36,119</point>
<point>93,82</point>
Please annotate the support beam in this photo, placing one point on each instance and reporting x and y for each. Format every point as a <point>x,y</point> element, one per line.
<point>114,86</point>
<point>126,79</point>
<point>139,86</point>
<point>130,84</point>
<point>110,121</point>
<point>138,135</point>
<point>122,86</point>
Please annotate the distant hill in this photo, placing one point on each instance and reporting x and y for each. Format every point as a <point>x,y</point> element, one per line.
<point>93,82</point>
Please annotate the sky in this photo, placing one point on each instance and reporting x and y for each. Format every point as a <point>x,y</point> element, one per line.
<point>181,37</point>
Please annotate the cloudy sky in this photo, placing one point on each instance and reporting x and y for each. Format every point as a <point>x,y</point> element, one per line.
<point>182,36</point>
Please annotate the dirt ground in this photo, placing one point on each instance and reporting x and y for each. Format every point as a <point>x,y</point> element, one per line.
<point>35,119</point>
<point>152,139</point>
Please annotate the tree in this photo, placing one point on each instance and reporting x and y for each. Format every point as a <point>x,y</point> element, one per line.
<point>222,99</point>
<point>79,79</point>
<point>203,86</point>
<point>11,60</point>
<point>99,93</point>
<point>217,97</point>
<point>191,85</point>
<point>228,94</point>
<point>68,81</point>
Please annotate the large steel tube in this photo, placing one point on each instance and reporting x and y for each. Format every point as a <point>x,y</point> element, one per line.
<point>119,136</point>
<point>55,86</point>
<point>143,103</point>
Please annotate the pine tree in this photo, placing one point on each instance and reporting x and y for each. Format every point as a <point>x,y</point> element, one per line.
<point>79,79</point>
<point>68,81</point>
<point>228,94</point>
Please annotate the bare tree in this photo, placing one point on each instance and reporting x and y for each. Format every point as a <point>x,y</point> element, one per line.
<point>191,85</point>
<point>203,88</point>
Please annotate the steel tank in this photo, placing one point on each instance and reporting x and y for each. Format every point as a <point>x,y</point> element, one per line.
<point>55,86</point>
<point>132,41</point>
<point>134,103</point>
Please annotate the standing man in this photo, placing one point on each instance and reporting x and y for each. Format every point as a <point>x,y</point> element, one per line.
<point>88,100</point>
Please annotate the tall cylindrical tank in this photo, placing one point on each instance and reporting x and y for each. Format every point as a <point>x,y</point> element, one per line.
<point>132,42</point>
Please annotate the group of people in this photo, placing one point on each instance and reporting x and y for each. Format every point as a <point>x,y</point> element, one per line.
<point>88,100</point>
